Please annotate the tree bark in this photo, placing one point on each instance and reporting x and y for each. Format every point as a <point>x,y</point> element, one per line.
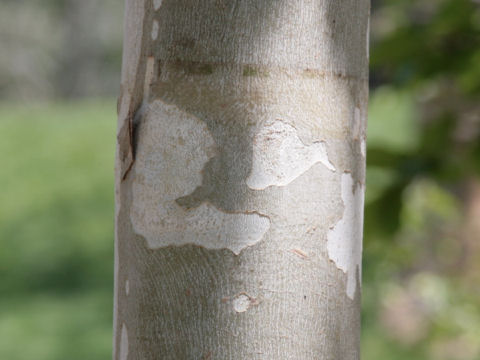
<point>240,179</point>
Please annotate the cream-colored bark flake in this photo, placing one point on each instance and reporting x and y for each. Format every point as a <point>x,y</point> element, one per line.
<point>124,343</point>
<point>302,254</point>
<point>242,302</point>
<point>279,156</point>
<point>173,149</point>
<point>157,4</point>
<point>127,287</point>
<point>345,238</point>
<point>363,147</point>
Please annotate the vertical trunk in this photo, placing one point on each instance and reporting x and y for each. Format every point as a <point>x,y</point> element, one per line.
<point>240,172</point>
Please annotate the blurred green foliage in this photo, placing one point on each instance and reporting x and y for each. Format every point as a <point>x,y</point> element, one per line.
<point>422,238</point>
<point>421,298</point>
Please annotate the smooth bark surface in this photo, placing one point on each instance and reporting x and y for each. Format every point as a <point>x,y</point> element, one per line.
<point>240,179</point>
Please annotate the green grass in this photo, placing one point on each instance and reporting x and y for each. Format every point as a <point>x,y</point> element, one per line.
<point>56,230</point>
<point>57,327</point>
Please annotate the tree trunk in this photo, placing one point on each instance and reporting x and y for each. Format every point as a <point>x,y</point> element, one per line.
<point>240,179</point>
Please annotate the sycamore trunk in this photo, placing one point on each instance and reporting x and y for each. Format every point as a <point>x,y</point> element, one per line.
<point>240,179</point>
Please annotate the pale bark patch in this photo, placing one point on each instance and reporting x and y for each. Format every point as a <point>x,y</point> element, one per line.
<point>363,147</point>
<point>155,28</point>
<point>124,343</point>
<point>242,302</point>
<point>345,238</point>
<point>157,4</point>
<point>279,156</point>
<point>127,287</point>
<point>174,147</point>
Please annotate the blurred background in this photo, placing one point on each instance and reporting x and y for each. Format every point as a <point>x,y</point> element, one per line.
<point>59,78</point>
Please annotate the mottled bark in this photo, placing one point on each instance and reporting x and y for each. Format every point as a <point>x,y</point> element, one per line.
<point>240,178</point>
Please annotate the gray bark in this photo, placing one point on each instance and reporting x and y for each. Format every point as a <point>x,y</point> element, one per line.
<point>240,178</point>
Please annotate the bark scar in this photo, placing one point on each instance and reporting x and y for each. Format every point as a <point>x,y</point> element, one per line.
<point>127,142</point>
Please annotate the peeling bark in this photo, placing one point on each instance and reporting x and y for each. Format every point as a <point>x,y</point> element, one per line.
<point>279,156</point>
<point>344,240</point>
<point>241,129</point>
